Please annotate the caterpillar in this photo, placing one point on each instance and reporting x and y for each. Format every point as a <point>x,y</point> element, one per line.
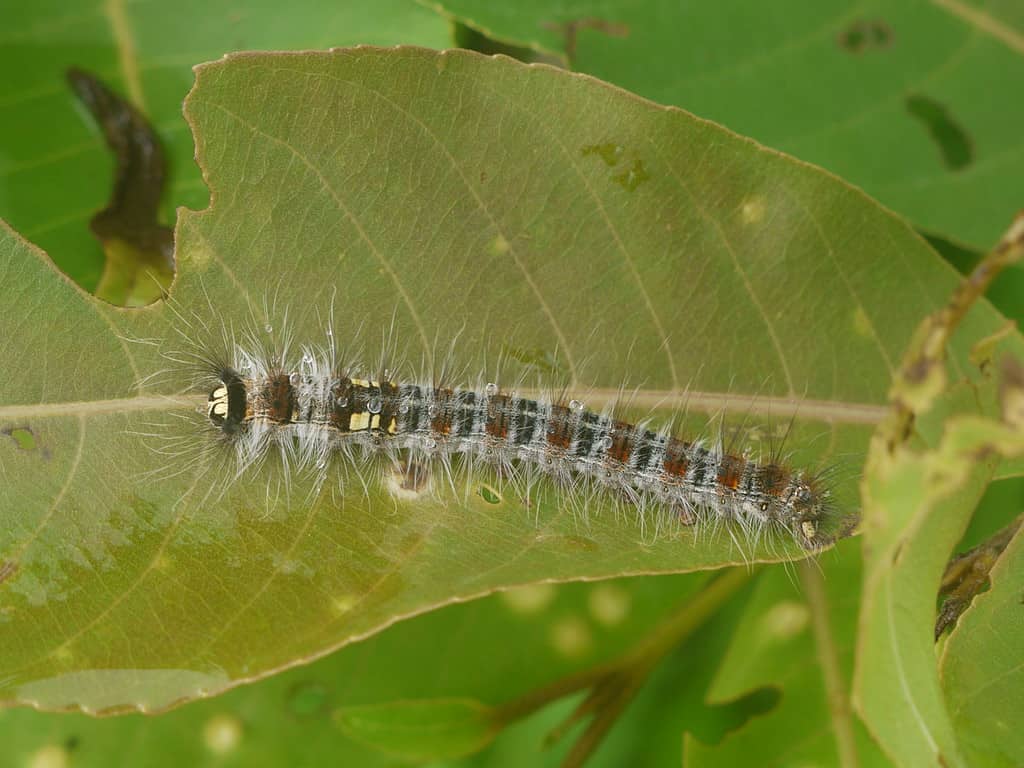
<point>314,409</point>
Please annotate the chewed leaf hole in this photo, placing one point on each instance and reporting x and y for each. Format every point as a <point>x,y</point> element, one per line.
<point>734,715</point>
<point>489,494</point>
<point>23,437</point>
<point>865,35</point>
<point>953,141</point>
<point>308,699</point>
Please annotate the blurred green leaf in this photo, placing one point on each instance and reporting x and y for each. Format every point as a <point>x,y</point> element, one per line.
<point>913,101</point>
<point>428,193</point>
<point>797,638</point>
<point>139,251</point>
<point>917,506</point>
<point>982,667</point>
<point>286,720</point>
<point>427,729</point>
<point>56,173</point>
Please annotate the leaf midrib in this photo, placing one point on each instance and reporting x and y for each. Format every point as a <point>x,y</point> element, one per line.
<point>833,411</point>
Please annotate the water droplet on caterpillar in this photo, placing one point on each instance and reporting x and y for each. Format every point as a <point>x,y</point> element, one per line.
<point>374,404</point>
<point>491,389</point>
<point>403,406</point>
<point>605,442</point>
<point>576,405</point>
<point>341,401</point>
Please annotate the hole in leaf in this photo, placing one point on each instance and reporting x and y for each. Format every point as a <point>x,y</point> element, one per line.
<point>475,40</point>
<point>308,699</point>
<point>865,35</point>
<point>726,718</point>
<point>23,437</point>
<point>953,141</point>
<point>571,28</point>
<point>488,494</point>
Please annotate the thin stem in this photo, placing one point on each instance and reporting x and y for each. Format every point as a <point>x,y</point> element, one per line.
<point>614,684</point>
<point>835,686</point>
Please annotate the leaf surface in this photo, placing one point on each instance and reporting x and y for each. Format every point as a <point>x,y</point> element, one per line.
<point>982,667</point>
<point>909,100</point>
<point>288,719</point>
<point>429,194</point>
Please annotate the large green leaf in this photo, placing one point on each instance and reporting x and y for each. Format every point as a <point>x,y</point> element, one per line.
<point>55,172</point>
<point>908,99</point>
<point>429,193</point>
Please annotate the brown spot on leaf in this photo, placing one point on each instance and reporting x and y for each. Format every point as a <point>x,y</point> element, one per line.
<point>1011,392</point>
<point>413,476</point>
<point>7,569</point>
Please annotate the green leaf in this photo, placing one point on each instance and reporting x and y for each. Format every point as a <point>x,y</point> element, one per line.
<point>429,194</point>
<point>911,101</point>
<point>982,667</point>
<point>287,719</point>
<point>56,172</point>
<point>797,639</point>
<point>917,506</point>
<point>674,699</point>
<point>429,729</point>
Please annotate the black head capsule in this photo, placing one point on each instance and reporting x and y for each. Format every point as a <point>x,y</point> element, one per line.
<point>226,404</point>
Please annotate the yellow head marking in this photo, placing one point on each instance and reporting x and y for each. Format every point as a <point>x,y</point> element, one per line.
<point>809,529</point>
<point>217,405</point>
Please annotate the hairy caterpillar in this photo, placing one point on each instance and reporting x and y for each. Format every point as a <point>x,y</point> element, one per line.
<point>313,409</point>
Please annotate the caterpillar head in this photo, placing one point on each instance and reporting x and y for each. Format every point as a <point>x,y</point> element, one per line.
<point>808,507</point>
<point>225,407</point>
